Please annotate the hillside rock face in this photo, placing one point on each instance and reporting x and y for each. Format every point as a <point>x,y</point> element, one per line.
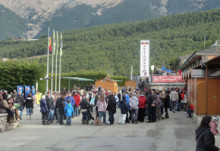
<point>36,12</point>
<point>40,14</point>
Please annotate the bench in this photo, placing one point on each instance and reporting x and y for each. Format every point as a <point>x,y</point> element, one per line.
<point>3,121</point>
<point>4,125</point>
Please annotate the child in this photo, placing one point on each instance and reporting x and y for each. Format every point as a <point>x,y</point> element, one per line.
<point>68,112</point>
<point>190,110</point>
<point>124,110</point>
<point>214,126</point>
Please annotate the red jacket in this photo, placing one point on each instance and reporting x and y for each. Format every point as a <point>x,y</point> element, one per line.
<point>77,99</point>
<point>191,107</point>
<point>182,96</point>
<point>142,102</point>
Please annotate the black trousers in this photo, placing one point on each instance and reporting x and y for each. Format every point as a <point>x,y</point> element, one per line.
<point>61,118</point>
<point>141,114</point>
<point>44,117</point>
<point>111,117</point>
<point>166,112</point>
<point>152,114</point>
<point>128,116</point>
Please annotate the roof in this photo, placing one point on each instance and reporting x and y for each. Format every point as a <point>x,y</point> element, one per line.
<point>211,51</point>
<point>212,63</point>
<point>77,78</point>
<point>111,80</point>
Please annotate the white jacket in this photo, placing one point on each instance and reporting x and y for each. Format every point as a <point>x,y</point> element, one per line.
<point>174,96</point>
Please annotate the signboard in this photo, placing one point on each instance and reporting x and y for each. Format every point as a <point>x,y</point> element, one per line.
<point>168,79</point>
<point>145,58</point>
<point>33,90</point>
<point>19,89</point>
<point>27,90</point>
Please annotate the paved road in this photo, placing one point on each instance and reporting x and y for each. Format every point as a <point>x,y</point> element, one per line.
<point>174,134</point>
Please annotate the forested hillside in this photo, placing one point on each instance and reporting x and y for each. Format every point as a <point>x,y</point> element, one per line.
<point>117,46</point>
<point>11,25</point>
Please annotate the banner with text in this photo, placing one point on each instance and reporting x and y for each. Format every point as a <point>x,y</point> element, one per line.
<point>145,58</point>
<point>168,79</point>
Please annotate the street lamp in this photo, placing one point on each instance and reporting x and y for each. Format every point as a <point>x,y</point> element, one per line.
<point>152,69</point>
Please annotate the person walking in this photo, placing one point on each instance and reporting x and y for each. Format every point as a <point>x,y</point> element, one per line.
<point>29,104</point>
<point>142,107</point>
<point>204,137</point>
<point>68,110</point>
<point>20,101</point>
<point>111,108</point>
<point>43,109</point>
<point>133,102</point>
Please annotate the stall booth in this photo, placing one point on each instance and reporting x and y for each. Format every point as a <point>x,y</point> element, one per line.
<point>202,75</point>
<point>107,84</point>
<point>130,83</point>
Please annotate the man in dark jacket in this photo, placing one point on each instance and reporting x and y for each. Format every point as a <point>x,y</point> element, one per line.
<point>51,108</point>
<point>48,99</point>
<point>20,100</point>
<point>151,106</point>
<point>61,105</point>
<point>29,103</point>
<point>111,108</point>
<point>57,107</point>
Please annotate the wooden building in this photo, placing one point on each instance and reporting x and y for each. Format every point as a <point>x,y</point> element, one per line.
<point>130,83</point>
<point>107,84</point>
<point>202,74</point>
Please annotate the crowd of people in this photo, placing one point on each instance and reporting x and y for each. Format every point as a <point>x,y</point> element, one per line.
<point>134,105</point>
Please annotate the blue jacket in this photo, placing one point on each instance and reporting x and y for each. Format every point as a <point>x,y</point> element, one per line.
<point>43,106</point>
<point>68,110</point>
<point>72,101</point>
<point>123,106</point>
<point>127,100</point>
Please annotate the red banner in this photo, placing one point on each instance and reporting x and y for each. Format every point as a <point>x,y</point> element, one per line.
<point>168,79</point>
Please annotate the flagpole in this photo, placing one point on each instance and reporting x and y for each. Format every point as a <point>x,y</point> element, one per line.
<point>54,49</point>
<point>48,53</point>
<point>61,51</point>
<point>57,48</point>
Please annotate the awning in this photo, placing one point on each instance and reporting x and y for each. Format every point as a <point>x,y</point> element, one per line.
<point>77,78</point>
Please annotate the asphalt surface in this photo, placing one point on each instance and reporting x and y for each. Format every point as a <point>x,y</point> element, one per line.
<point>173,134</point>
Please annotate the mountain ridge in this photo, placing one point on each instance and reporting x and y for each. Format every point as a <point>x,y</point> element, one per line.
<point>73,14</point>
<point>117,46</point>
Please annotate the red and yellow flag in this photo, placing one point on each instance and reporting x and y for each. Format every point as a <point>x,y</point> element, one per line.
<point>50,44</point>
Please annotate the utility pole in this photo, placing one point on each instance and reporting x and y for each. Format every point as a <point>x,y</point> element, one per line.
<point>131,73</point>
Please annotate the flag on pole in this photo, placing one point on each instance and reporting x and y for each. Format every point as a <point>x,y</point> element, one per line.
<point>54,42</point>
<point>61,44</point>
<point>50,44</point>
<point>57,42</point>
